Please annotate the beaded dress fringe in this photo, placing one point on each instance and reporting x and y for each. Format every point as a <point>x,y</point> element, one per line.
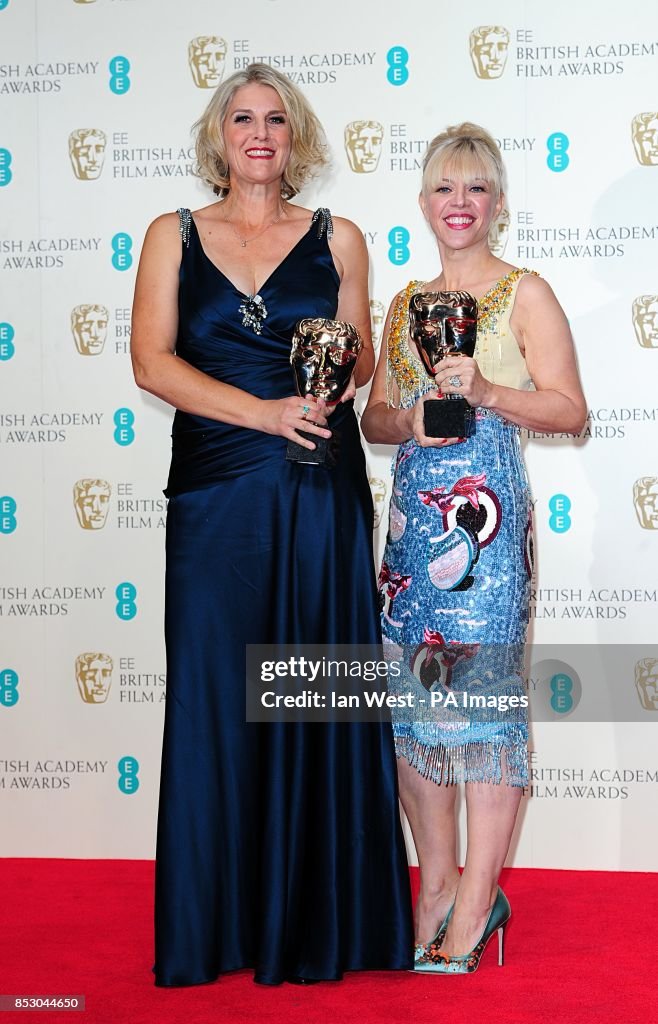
<point>471,762</point>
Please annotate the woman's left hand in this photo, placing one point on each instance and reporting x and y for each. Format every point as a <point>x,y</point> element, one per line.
<point>460,375</point>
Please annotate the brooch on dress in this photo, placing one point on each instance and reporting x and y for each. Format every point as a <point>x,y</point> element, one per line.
<point>254,312</point>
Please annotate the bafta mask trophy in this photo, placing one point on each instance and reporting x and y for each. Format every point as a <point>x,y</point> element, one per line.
<point>444,324</point>
<point>323,356</point>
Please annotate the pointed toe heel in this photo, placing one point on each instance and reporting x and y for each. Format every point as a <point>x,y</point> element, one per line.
<point>436,962</point>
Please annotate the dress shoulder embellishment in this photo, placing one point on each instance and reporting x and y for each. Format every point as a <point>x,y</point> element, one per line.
<point>322,217</point>
<point>401,366</point>
<point>495,302</point>
<point>185,219</point>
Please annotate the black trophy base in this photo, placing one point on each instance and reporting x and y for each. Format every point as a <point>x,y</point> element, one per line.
<point>320,456</point>
<point>449,417</point>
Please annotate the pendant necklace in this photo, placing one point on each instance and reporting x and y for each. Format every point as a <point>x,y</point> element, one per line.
<point>252,307</point>
<point>245,241</point>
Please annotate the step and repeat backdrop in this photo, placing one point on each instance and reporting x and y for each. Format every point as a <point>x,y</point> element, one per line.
<point>97,98</point>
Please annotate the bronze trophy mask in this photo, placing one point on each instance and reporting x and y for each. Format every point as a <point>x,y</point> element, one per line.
<point>323,357</point>
<point>445,324</point>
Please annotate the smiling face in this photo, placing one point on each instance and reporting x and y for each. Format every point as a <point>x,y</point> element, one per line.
<point>460,212</point>
<point>257,135</point>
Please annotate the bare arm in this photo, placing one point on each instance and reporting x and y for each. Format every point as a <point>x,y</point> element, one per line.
<point>351,257</point>
<point>160,371</point>
<point>558,403</point>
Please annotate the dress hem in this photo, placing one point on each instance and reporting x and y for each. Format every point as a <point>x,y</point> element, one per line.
<point>471,762</point>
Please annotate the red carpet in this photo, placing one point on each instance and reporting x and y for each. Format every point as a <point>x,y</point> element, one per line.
<point>580,948</point>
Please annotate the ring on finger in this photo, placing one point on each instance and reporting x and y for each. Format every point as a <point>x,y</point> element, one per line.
<point>305,411</point>
<point>455,381</point>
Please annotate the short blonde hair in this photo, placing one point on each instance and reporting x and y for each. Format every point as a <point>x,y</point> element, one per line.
<point>463,151</point>
<point>309,148</point>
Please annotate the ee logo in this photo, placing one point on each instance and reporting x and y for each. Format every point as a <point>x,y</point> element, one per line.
<point>557,145</point>
<point>121,254</point>
<point>6,342</point>
<point>128,775</point>
<point>398,240</point>
<point>561,689</point>
<point>5,162</point>
<point>123,427</point>
<point>119,77</point>
<point>398,72</point>
<point>126,608</point>
<point>8,687</point>
<point>560,520</point>
<point>7,514</point>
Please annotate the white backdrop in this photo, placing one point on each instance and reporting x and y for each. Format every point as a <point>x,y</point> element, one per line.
<point>97,99</point>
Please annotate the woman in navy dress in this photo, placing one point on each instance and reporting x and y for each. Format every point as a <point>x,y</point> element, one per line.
<point>279,845</point>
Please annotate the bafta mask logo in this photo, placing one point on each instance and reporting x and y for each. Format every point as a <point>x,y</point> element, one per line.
<point>646,683</point>
<point>645,320</point>
<point>489,45</point>
<point>498,233</point>
<point>89,327</point>
<point>377,317</point>
<point>84,1</point>
<point>645,499</point>
<point>93,673</point>
<point>378,489</point>
<point>644,128</point>
<point>87,152</point>
<point>207,57</point>
<point>363,145</point>
<point>92,501</point>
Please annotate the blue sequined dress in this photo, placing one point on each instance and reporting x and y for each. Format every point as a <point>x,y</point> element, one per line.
<point>455,577</point>
<point>279,845</point>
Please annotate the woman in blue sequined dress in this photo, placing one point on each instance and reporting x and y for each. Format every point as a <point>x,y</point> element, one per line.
<point>454,581</point>
<point>279,845</point>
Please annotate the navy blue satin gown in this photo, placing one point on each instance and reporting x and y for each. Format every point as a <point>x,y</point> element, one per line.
<point>279,845</point>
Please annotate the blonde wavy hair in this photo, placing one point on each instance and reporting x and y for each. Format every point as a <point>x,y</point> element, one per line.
<point>463,151</point>
<point>308,144</point>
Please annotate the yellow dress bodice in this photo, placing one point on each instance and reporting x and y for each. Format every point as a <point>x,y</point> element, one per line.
<point>497,351</point>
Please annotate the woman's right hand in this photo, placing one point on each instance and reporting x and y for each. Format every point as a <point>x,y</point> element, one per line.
<point>286,417</point>
<point>418,426</point>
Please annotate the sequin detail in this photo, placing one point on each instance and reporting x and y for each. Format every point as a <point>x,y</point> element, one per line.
<point>491,305</point>
<point>455,579</point>
<point>403,366</point>
<point>185,220</point>
<point>322,218</point>
<point>254,312</point>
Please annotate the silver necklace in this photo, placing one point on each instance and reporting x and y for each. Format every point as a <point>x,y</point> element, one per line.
<point>252,307</point>
<point>245,241</point>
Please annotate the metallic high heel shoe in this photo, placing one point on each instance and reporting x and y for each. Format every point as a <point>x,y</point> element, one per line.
<point>422,949</point>
<point>436,962</point>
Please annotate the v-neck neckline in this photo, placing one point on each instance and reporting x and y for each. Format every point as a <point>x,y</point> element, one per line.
<point>250,295</point>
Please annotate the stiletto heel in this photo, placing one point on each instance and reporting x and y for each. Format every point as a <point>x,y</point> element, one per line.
<point>501,944</point>
<point>436,962</point>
